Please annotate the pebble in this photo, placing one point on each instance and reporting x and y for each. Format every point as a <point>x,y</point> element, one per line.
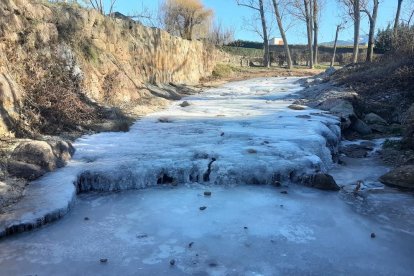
<point>141,236</point>
<point>246,227</point>
<point>190,244</point>
<point>284,192</point>
<point>172,262</point>
<point>207,193</point>
<point>203,208</point>
<point>373,235</point>
<point>86,218</point>
<point>103,260</point>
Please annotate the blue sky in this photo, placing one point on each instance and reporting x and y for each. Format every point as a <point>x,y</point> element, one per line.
<point>230,14</point>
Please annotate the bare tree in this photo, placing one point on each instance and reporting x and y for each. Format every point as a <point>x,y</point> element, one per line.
<point>397,17</point>
<point>258,6</point>
<point>303,11</point>
<point>99,5</point>
<point>147,16</point>
<point>409,12</point>
<point>372,17</point>
<point>317,7</point>
<point>182,17</point>
<point>282,33</point>
<point>338,28</point>
<point>220,35</point>
<point>353,8</point>
<point>309,28</point>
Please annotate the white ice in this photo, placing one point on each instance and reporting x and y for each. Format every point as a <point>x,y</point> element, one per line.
<point>304,232</point>
<point>245,126</point>
<point>247,135</point>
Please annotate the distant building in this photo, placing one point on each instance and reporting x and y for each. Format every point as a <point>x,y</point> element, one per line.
<point>276,41</point>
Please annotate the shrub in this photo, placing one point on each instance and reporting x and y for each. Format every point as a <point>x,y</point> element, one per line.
<point>401,44</point>
<point>54,100</point>
<point>224,71</point>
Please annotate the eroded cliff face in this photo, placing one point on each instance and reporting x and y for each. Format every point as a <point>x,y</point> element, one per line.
<point>45,46</point>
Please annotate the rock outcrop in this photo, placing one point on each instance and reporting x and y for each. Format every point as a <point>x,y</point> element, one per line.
<point>113,60</point>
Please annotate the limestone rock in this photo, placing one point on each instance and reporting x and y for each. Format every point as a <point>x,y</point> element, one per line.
<point>63,151</point>
<point>297,107</point>
<point>361,127</point>
<point>322,181</point>
<point>32,159</point>
<point>25,170</point>
<point>373,118</point>
<point>402,177</point>
<point>38,153</point>
<point>340,108</point>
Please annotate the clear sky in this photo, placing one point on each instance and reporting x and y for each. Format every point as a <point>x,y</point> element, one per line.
<point>230,14</point>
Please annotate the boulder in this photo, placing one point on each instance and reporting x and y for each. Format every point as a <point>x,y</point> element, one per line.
<point>38,153</point>
<point>401,177</point>
<point>184,104</point>
<point>361,127</point>
<point>374,119</point>
<point>322,181</point>
<point>25,170</point>
<point>379,128</point>
<point>297,107</point>
<point>32,159</point>
<point>63,151</point>
<point>330,71</point>
<point>357,151</point>
<point>340,108</point>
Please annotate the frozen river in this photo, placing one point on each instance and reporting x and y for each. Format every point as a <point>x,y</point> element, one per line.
<point>227,141</point>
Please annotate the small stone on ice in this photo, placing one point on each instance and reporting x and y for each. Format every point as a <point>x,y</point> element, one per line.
<point>207,193</point>
<point>86,218</point>
<point>190,244</point>
<point>172,262</point>
<point>245,227</point>
<point>373,235</point>
<point>203,208</point>
<point>284,192</point>
<point>103,260</point>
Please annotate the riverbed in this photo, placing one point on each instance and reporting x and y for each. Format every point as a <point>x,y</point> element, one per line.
<point>141,207</point>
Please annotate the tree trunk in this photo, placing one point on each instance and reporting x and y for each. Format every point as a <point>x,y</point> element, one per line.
<point>266,57</point>
<point>334,49</point>
<point>372,23</point>
<point>397,17</point>
<point>357,22</point>
<point>283,34</point>
<point>309,31</point>
<point>315,31</point>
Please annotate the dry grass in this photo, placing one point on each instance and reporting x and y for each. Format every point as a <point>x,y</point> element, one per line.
<point>54,101</point>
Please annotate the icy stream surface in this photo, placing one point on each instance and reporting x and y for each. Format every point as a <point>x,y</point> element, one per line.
<point>227,139</point>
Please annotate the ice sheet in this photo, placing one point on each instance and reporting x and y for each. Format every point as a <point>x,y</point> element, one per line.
<point>306,231</point>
